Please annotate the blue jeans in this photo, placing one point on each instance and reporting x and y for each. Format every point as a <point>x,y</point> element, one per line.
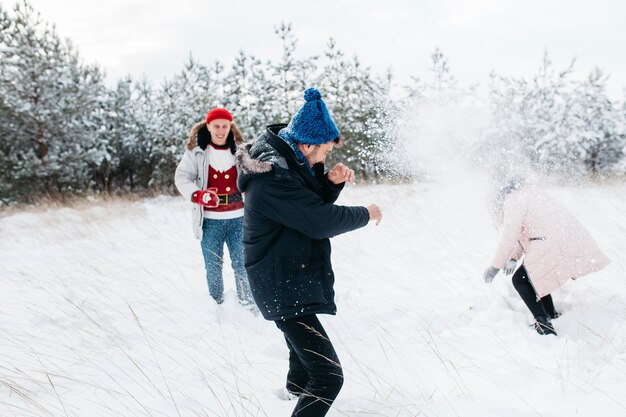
<point>214,234</point>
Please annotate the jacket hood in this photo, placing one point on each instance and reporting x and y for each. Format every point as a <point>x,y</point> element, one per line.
<point>268,152</point>
<point>199,136</point>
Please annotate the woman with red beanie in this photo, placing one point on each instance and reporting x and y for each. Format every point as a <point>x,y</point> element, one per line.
<point>206,176</point>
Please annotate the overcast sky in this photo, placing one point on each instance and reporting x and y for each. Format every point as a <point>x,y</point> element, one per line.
<point>154,37</point>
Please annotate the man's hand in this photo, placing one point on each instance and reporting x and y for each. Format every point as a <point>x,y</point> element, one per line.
<point>509,268</point>
<point>490,274</point>
<point>375,213</point>
<point>207,198</point>
<point>340,173</point>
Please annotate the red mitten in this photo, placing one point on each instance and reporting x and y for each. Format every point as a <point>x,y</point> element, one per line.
<point>207,198</point>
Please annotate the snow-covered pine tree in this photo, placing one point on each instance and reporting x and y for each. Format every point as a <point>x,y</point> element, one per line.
<point>148,120</point>
<point>247,89</point>
<point>117,113</point>
<point>289,77</point>
<point>562,126</point>
<point>620,167</point>
<point>436,120</point>
<point>549,119</point>
<point>444,86</point>
<point>8,117</point>
<point>130,121</point>
<point>533,120</point>
<point>358,101</point>
<point>182,102</point>
<point>502,146</point>
<point>48,98</point>
<point>600,135</point>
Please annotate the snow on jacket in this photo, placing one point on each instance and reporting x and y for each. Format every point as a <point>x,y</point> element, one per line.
<point>289,217</point>
<point>193,169</point>
<point>555,245</point>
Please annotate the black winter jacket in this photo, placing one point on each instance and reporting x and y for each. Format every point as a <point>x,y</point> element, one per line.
<point>288,219</point>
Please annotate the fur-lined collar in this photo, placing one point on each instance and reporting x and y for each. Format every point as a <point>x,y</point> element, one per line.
<point>199,136</point>
<point>262,157</point>
<point>259,157</point>
<point>192,140</point>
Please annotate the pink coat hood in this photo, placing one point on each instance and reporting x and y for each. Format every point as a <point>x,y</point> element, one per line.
<point>555,245</point>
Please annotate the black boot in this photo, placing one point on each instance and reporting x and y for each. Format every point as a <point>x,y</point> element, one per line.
<point>543,326</point>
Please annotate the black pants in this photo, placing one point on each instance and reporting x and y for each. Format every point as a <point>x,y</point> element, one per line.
<point>314,369</point>
<point>541,307</point>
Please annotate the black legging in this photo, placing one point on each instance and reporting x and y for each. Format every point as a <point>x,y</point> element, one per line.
<point>314,369</point>
<point>542,307</point>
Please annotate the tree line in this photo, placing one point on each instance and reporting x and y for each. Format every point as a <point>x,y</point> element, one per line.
<point>63,131</point>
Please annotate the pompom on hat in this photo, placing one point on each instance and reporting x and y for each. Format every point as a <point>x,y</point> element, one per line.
<point>312,125</point>
<point>218,113</point>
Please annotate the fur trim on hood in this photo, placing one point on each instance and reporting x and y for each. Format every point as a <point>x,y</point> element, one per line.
<point>261,157</point>
<point>199,135</point>
<point>250,165</point>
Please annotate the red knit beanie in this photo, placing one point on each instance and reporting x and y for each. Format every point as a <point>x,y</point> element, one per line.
<point>218,113</point>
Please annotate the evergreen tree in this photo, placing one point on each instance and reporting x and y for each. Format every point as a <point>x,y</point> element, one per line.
<point>444,84</point>
<point>600,137</point>
<point>549,119</point>
<point>558,124</point>
<point>47,101</point>
<point>182,102</point>
<point>147,117</point>
<point>130,120</point>
<point>62,131</point>
<point>435,117</point>
<point>533,120</point>
<point>441,88</point>
<point>289,77</point>
<point>247,95</point>
<point>357,100</point>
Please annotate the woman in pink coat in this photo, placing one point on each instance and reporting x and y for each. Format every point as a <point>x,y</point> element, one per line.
<point>554,245</point>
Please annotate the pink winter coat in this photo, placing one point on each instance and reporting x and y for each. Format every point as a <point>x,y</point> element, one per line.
<point>556,246</point>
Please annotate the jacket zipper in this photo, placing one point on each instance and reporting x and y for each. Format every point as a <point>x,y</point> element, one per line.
<point>204,182</point>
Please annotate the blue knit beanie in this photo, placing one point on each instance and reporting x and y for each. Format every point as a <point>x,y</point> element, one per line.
<point>312,125</point>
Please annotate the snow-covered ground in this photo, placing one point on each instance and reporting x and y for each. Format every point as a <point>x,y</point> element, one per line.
<point>104,311</point>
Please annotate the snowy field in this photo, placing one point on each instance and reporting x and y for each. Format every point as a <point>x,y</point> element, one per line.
<point>104,312</point>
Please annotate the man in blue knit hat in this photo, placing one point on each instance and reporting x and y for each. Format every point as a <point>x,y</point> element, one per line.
<point>289,218</point>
